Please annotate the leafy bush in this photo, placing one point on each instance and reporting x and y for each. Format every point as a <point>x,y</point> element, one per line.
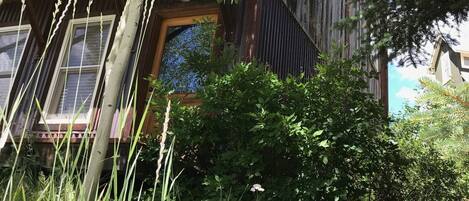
<point>429,176</point>
<point>323,138</point>
<point>432,135</point>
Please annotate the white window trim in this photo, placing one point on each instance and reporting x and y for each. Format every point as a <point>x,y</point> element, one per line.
<point>464,55</point>
<point>13,72</point>
<point>85,117</point>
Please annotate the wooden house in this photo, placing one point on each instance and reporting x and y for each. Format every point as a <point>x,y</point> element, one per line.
<point>52,55</point>
<point>449,65</point>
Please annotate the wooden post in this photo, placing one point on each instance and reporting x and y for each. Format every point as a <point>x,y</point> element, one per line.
<point>116,64</point>
<point>252,14</point>
<point>383,78</point>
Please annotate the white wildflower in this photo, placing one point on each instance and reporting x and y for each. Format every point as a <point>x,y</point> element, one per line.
<point>257,187</point>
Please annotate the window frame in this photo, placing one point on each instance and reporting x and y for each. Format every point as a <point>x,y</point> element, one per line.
<point>21,55</point>
<point>464,56</point>
<point>186,97</point>
<point>65,119</point>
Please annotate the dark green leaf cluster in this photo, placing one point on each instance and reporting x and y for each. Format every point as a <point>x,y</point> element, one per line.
<point>433,135</point>
<point>404,26</point>
<point>319,139</point>
<point>429,176</point>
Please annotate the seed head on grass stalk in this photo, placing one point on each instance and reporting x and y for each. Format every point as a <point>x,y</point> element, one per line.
<point>163,139</point>
<point>162,145</point>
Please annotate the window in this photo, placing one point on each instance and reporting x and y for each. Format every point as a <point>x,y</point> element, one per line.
<point>12,42</point>
<point>73,88</point>
<point>179,39</point>
<point>465,63</point>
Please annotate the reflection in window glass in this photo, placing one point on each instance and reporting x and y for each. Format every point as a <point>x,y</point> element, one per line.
<point>92,53</point>
<point>466,61</point>
<point>180,42</point>
<point>11,49</point>
<point>79,68</point>
<point>71,90</point>
<point>4,86</point>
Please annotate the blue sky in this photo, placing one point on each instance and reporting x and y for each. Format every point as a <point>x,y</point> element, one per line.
<point>403,81</point>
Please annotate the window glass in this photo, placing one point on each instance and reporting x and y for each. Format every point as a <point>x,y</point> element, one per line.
<point>73,95</point>
<point>78,72</point>
<point>466,61</point>
<point>181,43</point>
<point>11,50</point>
<point>94,45</point>
<point>4,88</point>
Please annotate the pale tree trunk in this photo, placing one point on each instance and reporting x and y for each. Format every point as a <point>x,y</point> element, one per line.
<point>116,64</point>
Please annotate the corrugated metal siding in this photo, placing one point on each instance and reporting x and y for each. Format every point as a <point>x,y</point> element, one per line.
<point>319,17</point>
<point>283,43</point>
<point>10,14</point>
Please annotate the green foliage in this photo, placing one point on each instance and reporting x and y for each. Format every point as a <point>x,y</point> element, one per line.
<point>444,119</point>
<point>29,180</point>
<point>204,60</point>
<point>434,135</point>
<point>441,118</point>
<point>404,26</point>
<point>429,176</point>
<point>189,56</point>
<point>317,139</point>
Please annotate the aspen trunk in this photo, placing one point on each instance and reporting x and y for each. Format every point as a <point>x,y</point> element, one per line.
<point>116,64</point>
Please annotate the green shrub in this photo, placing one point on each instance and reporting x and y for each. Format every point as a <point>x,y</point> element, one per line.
<point>430,175</point>
<point>323,138</point>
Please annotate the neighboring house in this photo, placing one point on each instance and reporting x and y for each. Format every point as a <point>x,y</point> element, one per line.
<point>58,62</point>
<point>449,65</point>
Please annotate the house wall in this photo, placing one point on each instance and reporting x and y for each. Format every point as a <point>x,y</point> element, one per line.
<point>10,13</point>
<point>36,70</point>
<point>286,35</point>
<point>39,72</point>
<point>319,17</point>
<point>283,43</point>
<point>456,67</point>
<point>439,72</point>
<point>447,56</point>
<point>464,69</point>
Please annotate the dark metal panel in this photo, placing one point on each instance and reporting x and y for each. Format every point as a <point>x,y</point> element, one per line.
<point>10,14</point>
<point>283,43</point>
<point>29,59</point>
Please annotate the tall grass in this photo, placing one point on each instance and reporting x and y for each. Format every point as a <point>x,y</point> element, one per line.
<point>64,179</point>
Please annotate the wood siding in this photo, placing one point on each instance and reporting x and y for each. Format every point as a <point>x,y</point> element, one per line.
<point>35,75</point>
<point>319,18</point>
<point>285,34</point>
<point>283,43</point>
